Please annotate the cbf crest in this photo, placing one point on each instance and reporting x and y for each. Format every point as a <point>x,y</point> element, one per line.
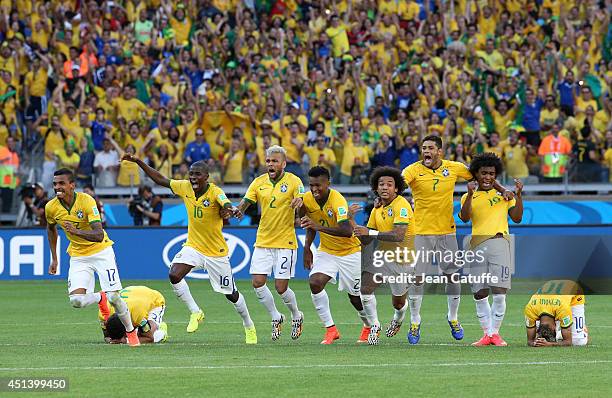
<point>330,213</point>
<point>445,173</point>
<point>390,212</point>
<point>79,214</point>
<point>206,203</point>
<point>283,188</point>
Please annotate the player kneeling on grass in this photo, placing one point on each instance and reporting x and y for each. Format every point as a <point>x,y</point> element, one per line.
<point>206,248</point>
<point>325,210</point>
<point>147,308</point>
<point>554,316</point>
<point>489,214</point>
<point>90,249</point>
<point>393,225</point>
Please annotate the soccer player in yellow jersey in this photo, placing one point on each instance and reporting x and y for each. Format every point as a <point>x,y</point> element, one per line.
<point>90,249</point>
<point>432,182</point>
<point>325,210</point>
<point>393,225</point>
<point>147,307</point>
<point>489,214</point>
<point>205,248</point>
<point>558,304</point>
<point>279,194</point>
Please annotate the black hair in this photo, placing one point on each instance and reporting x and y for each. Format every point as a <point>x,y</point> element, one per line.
<point>114,327</point>
<point>547,333</point>
<point>386,171</point>
<point>65,172</point>
<point>486,159</point>
<point>318,171</point>
<point>200,164</point>
<point>89,186</point>
<point>436,139</point>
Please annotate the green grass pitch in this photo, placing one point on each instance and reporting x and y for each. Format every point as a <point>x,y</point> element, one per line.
<point>41,335</point>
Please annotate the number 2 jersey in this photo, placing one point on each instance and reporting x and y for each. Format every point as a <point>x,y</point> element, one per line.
<point>555,299</point>
<point>204,224</point>
<point>140,301</point>
<point>432,190</point>
<point>82,213</point>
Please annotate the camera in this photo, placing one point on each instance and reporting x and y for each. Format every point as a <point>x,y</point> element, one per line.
<point>27,191</point>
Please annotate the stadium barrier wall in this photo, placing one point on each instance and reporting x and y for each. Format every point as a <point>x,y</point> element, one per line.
<point>146,253</point>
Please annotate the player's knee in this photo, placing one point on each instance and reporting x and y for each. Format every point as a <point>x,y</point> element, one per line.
<point>315,286</point>
<point>580,341</point>
<point>479,295</point>
<point>76,300</point>
<point>398,305</point>
<point>174,277</point>
<point>233,297</point>
<point>113,297</point>
<point>280,289</point>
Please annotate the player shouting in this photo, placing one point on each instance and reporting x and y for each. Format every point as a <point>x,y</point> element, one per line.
<point>278,193</point>
<point>490,237</point>
<point>90,250</point>
<point>205,247</point>
<point>325,210</point>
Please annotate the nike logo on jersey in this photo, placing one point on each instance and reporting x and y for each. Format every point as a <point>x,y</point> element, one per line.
<point>421,175</point>
<point>262,188</point>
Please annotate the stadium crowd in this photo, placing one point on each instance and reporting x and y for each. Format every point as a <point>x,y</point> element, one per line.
<point>347,84</point>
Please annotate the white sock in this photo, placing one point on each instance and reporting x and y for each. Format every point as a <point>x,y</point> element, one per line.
<point>415,298</point>
<point>243,311</point>
<point>453,306</point>
<point>182,292</point>
<point>498,310</point>
<point>291,303</point>
<point>483,312</point>
<point>158,335</point>
<point>265,297</point>
<point>121,309</point>
<point>369,306</point>
<point>400,314</point>
<point>84,300</point>
<point>321,303</point>
<point>364,318</point>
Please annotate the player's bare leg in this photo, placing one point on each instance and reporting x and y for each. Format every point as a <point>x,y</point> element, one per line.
<point>241,308</point>
<point>498,310</point>
<point>288,296</point>
<point>415,299</point>
<point>453,297</point>
<point>368,287</point>
<point>401,305</point>
<point>358,305</point>
<point>320,300</point>
<point>264,295</point>
<point>177,274</point>
<point>483,312</point>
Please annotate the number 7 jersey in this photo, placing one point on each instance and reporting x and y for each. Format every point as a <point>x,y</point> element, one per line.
<point>432,190</point>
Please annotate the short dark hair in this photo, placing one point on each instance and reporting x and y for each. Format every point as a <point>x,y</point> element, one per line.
<point>486,159</point>
<point>547,333</point>
<point>114,327</point>
<point>386,171</point>
<point>65,172</point>
<point>436,139</point>
<point>318,171</point>
<point>200,164</point>
<point>89,186</point>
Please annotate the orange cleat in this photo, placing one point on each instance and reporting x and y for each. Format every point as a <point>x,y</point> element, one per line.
<point>103,306</point>
<point>330,335</point>
<point>484,340</point>
<point>132,338</point>
<point>498,341</point>
<point>363,337</point>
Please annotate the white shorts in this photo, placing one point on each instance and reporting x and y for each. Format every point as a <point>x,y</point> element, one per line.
<point>580,334</point>
<point>218,268</point>
<point>495,255</point>
<point>82,270</point>
<point>348,267</point>
<point>281,261</point>
<point>436,248</point>
<point>157,315</point>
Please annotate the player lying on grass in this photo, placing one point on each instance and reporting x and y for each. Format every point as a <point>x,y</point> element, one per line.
<point>554,316</point>
<point>484,205</point>
<point>205,248</point>
<point>147,308</point>
<point>339,253</point>
<point>393,226</point>
<point>90,249</point>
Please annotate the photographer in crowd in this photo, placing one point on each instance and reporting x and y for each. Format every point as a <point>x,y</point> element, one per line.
<point>34,198</point>
<point>146,208</point>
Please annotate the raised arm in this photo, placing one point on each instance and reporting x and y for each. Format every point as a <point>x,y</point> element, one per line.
<point>516,213</point>
<point>155,175</point>
<point>465,214</point>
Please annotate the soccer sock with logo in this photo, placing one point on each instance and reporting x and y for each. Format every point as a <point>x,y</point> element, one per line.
<point>498,310</point>
<point>243,311</point>
<point>121,309</point>
<point>321,303</point>
<point>291,303</point>
<point>182,292</point>
<point>369,306</point>
<point>483,312</point>
<point>415,298</point>
<point>400,314</point>
<point>264,295</point>
<point>453,298</point>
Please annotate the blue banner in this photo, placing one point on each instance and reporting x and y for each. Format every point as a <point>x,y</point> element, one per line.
<point>146,253</point>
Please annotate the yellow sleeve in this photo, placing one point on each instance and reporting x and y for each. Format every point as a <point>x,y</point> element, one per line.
<point>49,213</point>
<point>91,210</point>
<point>530,320</point>
<point>251,194</point>
<point>340,208</point>
<point>221,197</point>
<point>463,198</point>
<point>178,187</point>
<point>564,316</point>
<point>401,216</point>
<point>462,171</point>
<point>372,220</point>
<point>511,203</point>
<point>408,174</point>
<point>299,188</point>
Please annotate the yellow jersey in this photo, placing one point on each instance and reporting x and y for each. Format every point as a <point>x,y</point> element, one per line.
<point>432,191</point>
<point>556,299</point>
<point>331,214</point>
<point>82,213</point>
<point>276,227</point>
<point>204,224</point>
<point>140,300</point>
<point>489,215</point>
<point>384,218</point>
